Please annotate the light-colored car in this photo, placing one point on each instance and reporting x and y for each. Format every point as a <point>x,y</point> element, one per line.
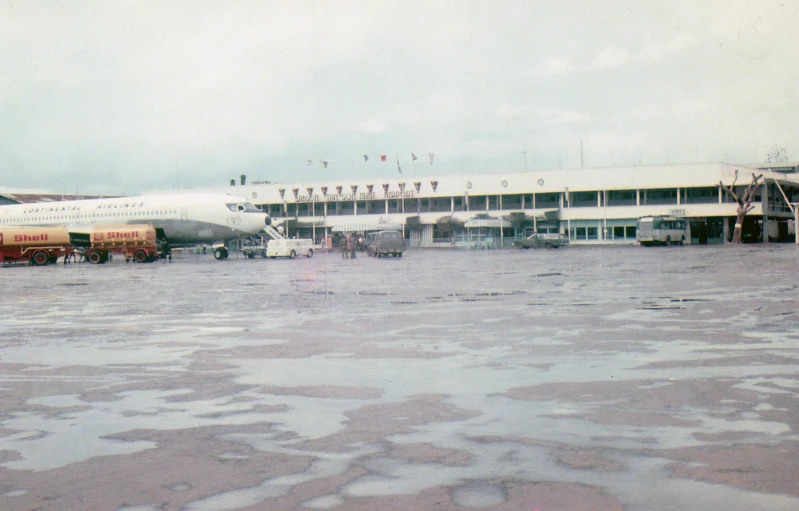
<point>543,240</point>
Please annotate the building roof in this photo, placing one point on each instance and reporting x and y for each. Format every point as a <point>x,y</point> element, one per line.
<point>544,181</point>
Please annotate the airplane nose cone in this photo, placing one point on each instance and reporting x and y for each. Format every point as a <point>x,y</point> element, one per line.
<point>268,220</point>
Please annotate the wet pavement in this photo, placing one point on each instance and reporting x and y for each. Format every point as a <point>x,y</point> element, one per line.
<point>573,379</point>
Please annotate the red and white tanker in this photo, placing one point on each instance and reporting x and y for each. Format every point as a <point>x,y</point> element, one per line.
<point>43,245</point>
<point>34,245</point>
<point>137,242</point>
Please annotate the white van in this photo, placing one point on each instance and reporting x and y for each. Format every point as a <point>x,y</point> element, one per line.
<point>289,248</point>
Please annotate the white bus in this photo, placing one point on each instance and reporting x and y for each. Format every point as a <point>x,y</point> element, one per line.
<point>660,230</point>
<point>289,248</point>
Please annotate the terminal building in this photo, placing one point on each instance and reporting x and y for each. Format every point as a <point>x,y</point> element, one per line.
<point>589,206</point>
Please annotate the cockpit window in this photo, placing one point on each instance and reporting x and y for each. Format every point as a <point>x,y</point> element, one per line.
<point>243,207</point>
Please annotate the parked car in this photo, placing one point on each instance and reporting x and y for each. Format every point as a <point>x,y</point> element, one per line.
<point>383,243</point>
<point>543,240</point>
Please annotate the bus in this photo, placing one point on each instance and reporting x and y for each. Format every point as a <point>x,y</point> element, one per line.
<point>661,230</point>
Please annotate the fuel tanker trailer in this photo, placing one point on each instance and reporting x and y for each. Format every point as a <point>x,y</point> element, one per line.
<point>34,245</point>
<point>138,242</point>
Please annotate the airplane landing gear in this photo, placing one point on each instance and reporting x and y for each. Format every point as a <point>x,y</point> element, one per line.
<point>220,253</point>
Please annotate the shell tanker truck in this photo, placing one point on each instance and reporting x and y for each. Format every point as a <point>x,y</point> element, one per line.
<point>43,245</point>
<point>34,245</point>
<point>137,242</point>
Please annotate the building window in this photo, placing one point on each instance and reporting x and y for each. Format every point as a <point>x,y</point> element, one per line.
<point>441,204</point>
<point>658,197</point>
<point>547,200</point>
<point>511,202</point>
<point>621,198</point>
<point>373,207</point>
<point>709,195</point>
<point>394,206</point>
<point>583,200</point>
<point>493,202</point>
<point>460,203</point>
<point>477,203</point>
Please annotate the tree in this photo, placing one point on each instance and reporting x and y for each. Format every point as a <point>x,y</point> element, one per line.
<point>414,222</point>
<point>744,202</point>
<point>449,225</point>
<point>519,220</point>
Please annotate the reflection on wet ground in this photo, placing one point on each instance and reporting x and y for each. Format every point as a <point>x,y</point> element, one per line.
<point>585,378</point>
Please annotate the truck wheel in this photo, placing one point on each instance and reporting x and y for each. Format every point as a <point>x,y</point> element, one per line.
<point>250,255</point>
<point>220,253</point>
<point>40,258</point>
<point>399,254</point>
<point>668,240</point>
<point>310,253</point>
<point>96,258</point>
<point>293,254</point>
<point>140,256</point>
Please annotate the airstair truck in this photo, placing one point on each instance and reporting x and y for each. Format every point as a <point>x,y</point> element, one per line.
<point>34,245</point>
<point>138,242</point>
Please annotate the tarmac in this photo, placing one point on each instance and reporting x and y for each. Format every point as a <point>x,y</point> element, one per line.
<point>607,378</point>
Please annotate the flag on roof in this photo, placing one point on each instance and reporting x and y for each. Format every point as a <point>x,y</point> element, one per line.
<point>324,163</point>
<point>398,166</point>
<point>431,157</point>
<point>309,162</point>
<point>413,157</point>
<point>365,158</point>
<point>382,157</point>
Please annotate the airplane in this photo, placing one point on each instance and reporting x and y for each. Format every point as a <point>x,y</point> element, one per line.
<point>179,219</point>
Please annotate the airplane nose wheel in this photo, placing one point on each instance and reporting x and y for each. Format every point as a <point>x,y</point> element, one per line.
<point>220,253</point>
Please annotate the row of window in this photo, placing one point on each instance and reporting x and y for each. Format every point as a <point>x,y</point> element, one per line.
<point>610,198</point>
<point>87,216</point>
<point>618,232</point>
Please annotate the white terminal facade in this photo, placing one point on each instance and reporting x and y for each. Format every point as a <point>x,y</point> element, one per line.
<point>590,206</point>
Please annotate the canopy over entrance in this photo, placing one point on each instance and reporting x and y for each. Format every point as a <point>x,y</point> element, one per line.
<point>367,226</point>
<point>491,223</point>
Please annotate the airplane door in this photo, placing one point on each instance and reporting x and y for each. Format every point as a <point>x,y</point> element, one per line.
<point>184,214</point>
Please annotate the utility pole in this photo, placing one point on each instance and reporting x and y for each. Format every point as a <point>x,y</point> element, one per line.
<point>581,154</point>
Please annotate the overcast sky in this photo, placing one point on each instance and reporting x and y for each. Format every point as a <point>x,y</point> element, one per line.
<point>125,97</point>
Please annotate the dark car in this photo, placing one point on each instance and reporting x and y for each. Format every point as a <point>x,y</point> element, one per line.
<point>543,240</point>
<point>383,243</point>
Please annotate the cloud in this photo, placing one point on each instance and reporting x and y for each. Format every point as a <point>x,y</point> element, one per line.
<point>657,51</point>
<point>372,127</point>
<point>556,66</point>
<point>611,58</point>
<point>124,93</point>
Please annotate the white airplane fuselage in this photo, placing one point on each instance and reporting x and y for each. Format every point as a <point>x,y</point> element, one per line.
<point>184,219</point>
